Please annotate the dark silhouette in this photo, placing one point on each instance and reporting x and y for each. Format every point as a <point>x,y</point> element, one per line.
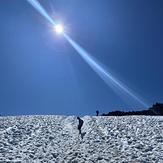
<point>97,112</point>
<point>80,124</point>
<point>155,110</point>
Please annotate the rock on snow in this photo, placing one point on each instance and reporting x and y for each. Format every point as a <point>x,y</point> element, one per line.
<point>56,139</point>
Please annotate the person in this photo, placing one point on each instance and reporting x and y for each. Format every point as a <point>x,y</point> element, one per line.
<point>97,112</point>
<point>80,124</point>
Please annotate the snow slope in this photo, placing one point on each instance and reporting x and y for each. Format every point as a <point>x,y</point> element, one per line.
<point>105,139</point>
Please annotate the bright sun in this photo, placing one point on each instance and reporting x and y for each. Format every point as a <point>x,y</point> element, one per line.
<point>59,29</point>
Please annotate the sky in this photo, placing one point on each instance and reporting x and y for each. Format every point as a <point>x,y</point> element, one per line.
<point>40,73</point>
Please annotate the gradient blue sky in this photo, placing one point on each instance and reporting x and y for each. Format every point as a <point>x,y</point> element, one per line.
<point>40,73</point>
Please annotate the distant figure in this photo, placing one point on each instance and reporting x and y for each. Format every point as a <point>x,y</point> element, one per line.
<point>97,112</point>
<point>80,124</point>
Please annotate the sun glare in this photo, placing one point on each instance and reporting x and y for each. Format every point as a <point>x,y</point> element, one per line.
<point>59,29</point>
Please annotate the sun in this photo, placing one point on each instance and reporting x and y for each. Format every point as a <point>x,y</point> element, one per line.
<point>59,28</point>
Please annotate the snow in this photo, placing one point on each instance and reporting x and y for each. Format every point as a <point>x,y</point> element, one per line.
<point>105,139</point>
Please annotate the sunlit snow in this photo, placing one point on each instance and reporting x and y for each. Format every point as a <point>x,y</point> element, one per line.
<point>55,139</point>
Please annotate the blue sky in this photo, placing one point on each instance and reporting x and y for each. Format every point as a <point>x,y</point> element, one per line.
<point>40,73</point>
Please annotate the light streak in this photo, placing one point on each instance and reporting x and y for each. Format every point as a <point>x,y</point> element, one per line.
<point>41,10</point>
<point>108,78</point>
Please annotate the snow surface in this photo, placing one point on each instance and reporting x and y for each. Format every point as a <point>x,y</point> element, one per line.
<point>53,139</point>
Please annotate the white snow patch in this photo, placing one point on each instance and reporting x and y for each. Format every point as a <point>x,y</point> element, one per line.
<point>55,139</point>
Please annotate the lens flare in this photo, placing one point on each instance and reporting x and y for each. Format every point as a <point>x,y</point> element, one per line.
<point>117,86</point>
<point>108,78</point>
<point>36,4</point>
<point>59,28</point>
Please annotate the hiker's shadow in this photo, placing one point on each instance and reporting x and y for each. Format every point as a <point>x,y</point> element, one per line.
<point>83,134</point>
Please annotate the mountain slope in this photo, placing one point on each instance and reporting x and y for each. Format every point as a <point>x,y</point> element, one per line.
<point>105,139</point>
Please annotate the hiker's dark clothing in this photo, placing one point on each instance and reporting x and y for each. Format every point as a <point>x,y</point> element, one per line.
<point>80,124</point>
<point>97,113</point>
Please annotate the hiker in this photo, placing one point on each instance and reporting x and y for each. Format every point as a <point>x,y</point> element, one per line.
<point>80,124</point>
<point>97,112</point>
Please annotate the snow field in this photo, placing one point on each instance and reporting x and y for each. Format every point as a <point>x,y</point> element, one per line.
<point>55,139</point>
